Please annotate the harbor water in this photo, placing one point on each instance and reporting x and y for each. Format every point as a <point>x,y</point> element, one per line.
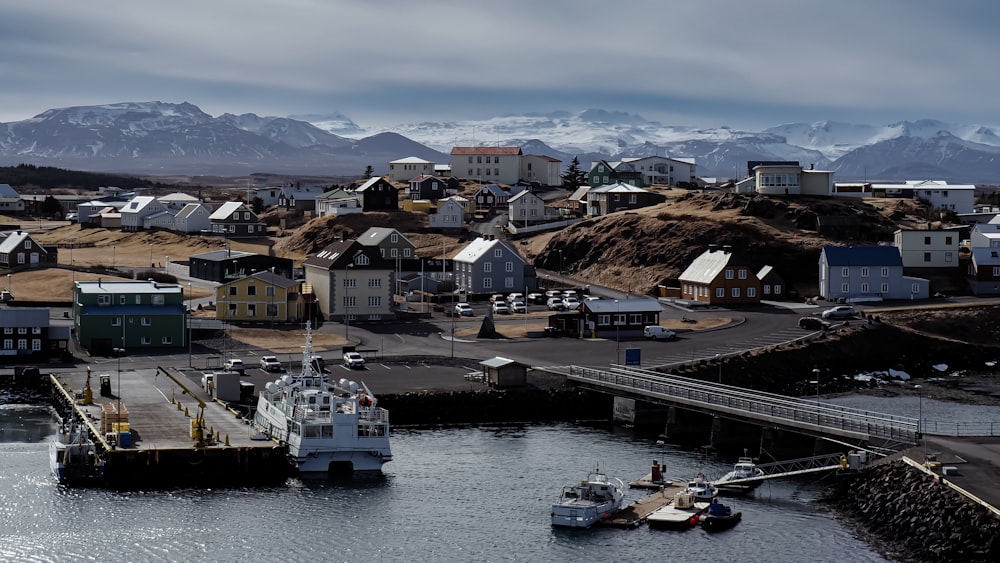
<point>451,494</point>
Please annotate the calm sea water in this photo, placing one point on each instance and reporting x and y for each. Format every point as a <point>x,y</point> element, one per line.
<point>453,494</point>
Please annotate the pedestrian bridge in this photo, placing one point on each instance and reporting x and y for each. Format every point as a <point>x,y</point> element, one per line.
<point>805,416</point>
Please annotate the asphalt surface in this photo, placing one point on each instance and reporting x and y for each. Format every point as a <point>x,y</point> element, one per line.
<point>976,459</point>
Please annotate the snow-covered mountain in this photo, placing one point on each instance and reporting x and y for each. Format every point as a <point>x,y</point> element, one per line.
<point>166,138</point>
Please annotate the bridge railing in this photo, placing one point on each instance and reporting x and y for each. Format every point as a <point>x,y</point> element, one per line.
<point>946,428</point>
<point>757,405</point>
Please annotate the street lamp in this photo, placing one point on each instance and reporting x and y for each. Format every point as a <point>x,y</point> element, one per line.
<point>150,255</point>
<point>618,328</point>
<point>718,360</point>
<point>167,263</point>
<point>9,288</point>
<point>118,352</point>
<point>271,312</point>
<point>816,373</point>
<point>920,412</point>
<point>347,316</point>
<point>114,255</point>
<point>560,261</point>
<point>188,315</point>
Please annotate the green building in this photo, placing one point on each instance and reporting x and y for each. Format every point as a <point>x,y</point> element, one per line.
<point>128,314</point>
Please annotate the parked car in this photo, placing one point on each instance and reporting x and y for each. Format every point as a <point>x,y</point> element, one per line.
<point>536,298</point>
<point>496,297</point>
<point>353,360</point>
<point>518,307</point>
<point>500,308</point>
<point>813,323</point>
<point>591,298</point>
<point>571,303</point>
<point>234,364</point>
<point>570,293</point>
<point>839,312</point>
<point>464,310</point>
<point>658,333</point>
<point>555,304</point>
<point>553,293</point>
<point>512,297</point>
<point>72,216</point>
<point>270,363</point>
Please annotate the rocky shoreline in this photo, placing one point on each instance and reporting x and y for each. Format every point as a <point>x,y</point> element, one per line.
<point>909,515</point>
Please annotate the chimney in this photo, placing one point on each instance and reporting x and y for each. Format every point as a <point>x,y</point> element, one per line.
<point>713,247</point>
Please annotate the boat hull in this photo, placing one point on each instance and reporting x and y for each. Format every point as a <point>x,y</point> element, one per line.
<point>575,515</point>
<point>719,523</point>
<point>328,461</point>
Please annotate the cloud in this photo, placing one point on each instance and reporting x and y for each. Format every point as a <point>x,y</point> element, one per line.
<point>712,59</point>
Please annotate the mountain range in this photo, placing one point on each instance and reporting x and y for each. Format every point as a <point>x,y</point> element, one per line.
<point>157,138</point>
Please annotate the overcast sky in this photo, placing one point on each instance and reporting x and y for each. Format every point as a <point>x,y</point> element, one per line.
<point>699,62</point>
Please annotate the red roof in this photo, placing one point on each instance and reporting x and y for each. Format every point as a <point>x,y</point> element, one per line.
<point>459,151</point>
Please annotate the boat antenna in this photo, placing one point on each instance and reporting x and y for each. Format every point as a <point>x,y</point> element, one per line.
<point>307,370</point>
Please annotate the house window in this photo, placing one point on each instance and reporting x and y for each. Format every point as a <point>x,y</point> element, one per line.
<point>635,318</point>
<point>272,310</point>
<point>406,253</point>
<point>121,299</point>
<point>508,282</point>
<point>864,288</point>
<point>144,321</point>
<point>167,340</point>
<point>8,344</point>
<point>496,171</point>
<point>720,292</point>
<point>479,160</point>
<point>996,271</point>
<point>8,330</point>
<point>927,240</point>
<point>743,274</point>
<point>246,216</point>
<point>20,258</point>
<point>947,241</point>
<point>350,301</point>
<point>777,289</point>
<point>22,343</point>
<point>885,272</point>
<point>157,299</point>
<point>36,330</point>
<point>845,272</point>
<point>470,162</point>
<point>736,292</point>
<point>508,266</point>
<point>374,282</point>
<point>487,267</point>
<point>251,290</point>
<point>138,300</point>
<point>269,291</point>
<point>374,300</point>
<point>927,256</point>
<point>232,291</point>
<point>845,288</point>
<point>751,292</point>
<point>729,273</point>
<point>915,288</point>
<point>232,309</point>
<point>885,288</point>
<point>251,310</point>
<point>350,282</point>
<point>22,330</point>
<point>767,289</point>
<point>487,283</point>
<point>103,299</point>
<point>36,344</point>
<point>603,320</point>
<point>633,199</point>
<point>145,340</point>
<point>864,272</point>
<point>498,253</point>
<point>116,321</point>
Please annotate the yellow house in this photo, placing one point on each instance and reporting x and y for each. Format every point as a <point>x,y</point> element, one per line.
<point>263,297</point>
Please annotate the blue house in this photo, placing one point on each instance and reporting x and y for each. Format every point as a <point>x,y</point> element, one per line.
<point>866,273</point>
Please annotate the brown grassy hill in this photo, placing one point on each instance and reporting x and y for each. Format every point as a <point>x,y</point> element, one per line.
<point>635,251</point>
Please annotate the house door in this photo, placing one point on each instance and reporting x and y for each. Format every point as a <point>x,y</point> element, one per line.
<point>33,259</point>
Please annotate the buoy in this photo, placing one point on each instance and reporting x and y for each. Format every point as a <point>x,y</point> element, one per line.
<point>178,405</point>
<point>227,440</point>
<point>186,412</point>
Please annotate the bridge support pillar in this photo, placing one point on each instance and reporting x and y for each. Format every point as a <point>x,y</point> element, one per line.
<point>734,435</point>
<point>687,426</point>
<point>639,414</point>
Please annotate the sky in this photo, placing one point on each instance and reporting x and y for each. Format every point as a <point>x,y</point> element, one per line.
<point>706,63</point>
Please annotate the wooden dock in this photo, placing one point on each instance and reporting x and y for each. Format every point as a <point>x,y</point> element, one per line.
<point>178,436</point>
<point>635,514</point>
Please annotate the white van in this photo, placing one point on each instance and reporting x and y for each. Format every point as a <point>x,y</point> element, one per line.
<point>658,333</point>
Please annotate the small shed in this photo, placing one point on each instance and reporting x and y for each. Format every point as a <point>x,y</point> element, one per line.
<point>504,372</point>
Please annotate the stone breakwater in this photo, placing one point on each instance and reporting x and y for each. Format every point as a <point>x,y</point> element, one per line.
<point>910,516</point>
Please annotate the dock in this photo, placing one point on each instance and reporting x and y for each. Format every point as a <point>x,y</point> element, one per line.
<point>636,513</point>
<point>155,428</point>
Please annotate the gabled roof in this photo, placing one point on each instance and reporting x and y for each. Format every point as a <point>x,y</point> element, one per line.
<point>189,210</point>
<point>11,241</point>
<point>862,256</point>
<point>274,279</point>
<point>479,248</point>
<point>424,178</point>
<point>337,255</point>
<point>305,193</point>
<point>372,182</point>
<point>337,193</point>
<point>132,287</point>
<point>618,188</point>
<point>524,194</point>
<point>410,160</point>
<point>495,189</point>
<point>707,267</point>
<point>461,151</point>
<point>763,273</point>
<point>222,255</point>
<point>227,209</point>
<point>580,194</point>
<point>177,197</point>
<point>8,192</point>
<point>375,235</point>
<point>138,203</point>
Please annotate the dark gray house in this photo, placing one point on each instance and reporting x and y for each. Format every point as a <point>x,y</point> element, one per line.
<point>227,265</point>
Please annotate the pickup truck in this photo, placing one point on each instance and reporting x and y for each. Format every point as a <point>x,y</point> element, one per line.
<point>270,363</point>
<point>235,364</point>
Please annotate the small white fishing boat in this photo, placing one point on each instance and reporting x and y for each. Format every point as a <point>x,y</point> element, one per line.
<point>701,489</point>
<point>74,458</point>
<point>595,498</point>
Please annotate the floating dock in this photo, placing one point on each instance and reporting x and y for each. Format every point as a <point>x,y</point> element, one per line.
<point>156,428</point>
<point>633,515</point>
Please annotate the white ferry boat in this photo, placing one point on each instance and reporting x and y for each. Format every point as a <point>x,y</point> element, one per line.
<point>328,427</point>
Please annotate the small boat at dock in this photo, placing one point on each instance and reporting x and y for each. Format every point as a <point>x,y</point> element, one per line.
<point>593,499</point>
<point>74,458</point>
<point>719,517</point>
<point>681,514</point>
<point>701,489</point>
